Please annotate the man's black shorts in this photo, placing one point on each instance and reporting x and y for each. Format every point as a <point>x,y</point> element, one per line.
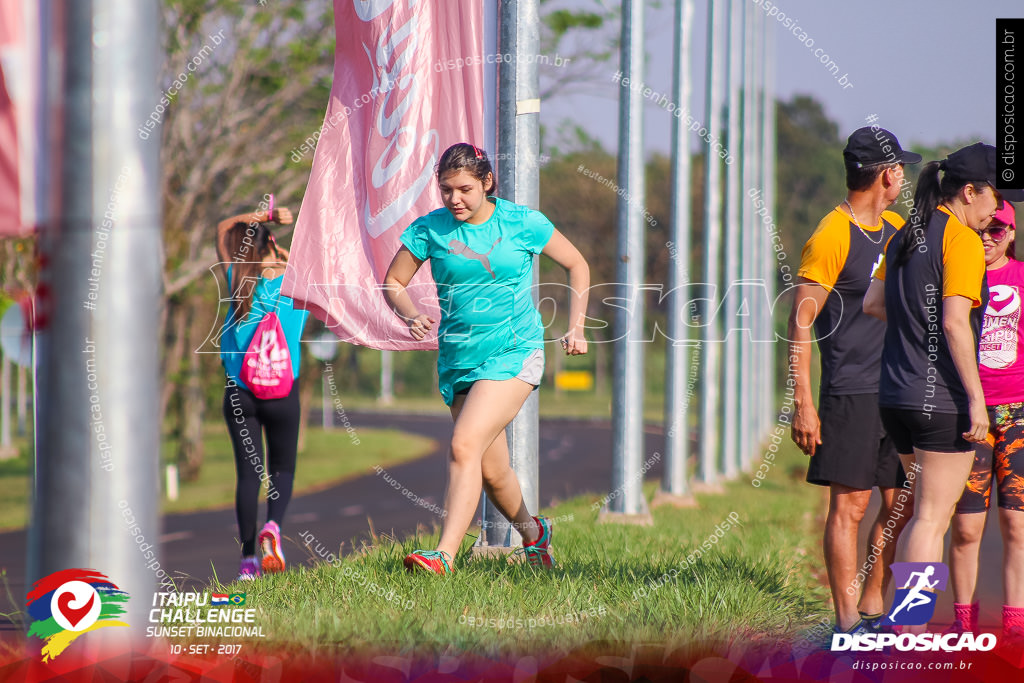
<point>855,451</point>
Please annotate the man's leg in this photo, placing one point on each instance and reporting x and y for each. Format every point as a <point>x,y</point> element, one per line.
<point>845,511</point>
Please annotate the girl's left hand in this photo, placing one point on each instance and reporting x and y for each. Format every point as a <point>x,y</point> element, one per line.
<point>573,343</point>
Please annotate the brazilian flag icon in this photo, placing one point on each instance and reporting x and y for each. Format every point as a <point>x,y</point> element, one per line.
<point>237,598</point>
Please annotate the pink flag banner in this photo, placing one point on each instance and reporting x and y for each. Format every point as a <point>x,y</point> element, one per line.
<point>408,83</point>
<point>13,64</point>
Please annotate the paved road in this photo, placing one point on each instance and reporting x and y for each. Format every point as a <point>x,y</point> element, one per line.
<point>575,458</point>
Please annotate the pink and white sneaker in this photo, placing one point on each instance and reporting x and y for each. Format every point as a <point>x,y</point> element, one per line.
<point>270,543</point>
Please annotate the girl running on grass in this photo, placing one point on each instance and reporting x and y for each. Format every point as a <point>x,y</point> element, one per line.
<point>1002,378</point>
<point>254,265</point>
<point>931,287</point>
<point>490,338</point>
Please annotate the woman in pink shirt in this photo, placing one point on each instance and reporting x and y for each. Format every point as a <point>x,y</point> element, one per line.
<point>1001,366</point>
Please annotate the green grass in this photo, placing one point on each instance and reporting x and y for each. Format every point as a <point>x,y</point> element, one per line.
<point>16,483</point>
<point>755,585</point>
<point>329,457</point>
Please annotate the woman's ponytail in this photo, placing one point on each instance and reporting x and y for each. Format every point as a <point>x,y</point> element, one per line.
<point>927,198</point>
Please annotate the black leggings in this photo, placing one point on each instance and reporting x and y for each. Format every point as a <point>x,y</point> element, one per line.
<point>247,417</point>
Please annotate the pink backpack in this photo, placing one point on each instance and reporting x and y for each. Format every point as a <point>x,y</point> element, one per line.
<point>267,364</point>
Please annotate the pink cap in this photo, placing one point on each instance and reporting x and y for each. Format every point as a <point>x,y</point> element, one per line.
<point>1005,215</point>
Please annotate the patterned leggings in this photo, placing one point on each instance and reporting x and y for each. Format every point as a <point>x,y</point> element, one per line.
<point>1005,460</point>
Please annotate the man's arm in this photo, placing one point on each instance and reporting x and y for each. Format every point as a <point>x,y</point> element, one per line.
<point>874,299</point>
<point>808,301</point>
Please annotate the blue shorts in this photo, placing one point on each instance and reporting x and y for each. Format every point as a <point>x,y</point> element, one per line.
<point>525,364</point>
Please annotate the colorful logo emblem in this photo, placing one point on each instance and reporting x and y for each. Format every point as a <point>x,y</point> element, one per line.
<point>68,603</point>
<point>917,589</point>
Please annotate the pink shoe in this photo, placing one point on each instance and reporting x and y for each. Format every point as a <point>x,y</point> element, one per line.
<point>249,569</point>
<point>537,553</point>
<point>270,542</point>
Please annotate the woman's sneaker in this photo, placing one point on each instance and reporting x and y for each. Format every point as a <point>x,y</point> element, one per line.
<point>538,553</point>
<point>876,623</point>
<point>249,569</point>
<point>270,542</point>
<point>437,561</point>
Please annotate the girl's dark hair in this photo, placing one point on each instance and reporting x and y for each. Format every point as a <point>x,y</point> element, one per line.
<point>248,244</point>
<point>931,191</point>
<point>469,158</point>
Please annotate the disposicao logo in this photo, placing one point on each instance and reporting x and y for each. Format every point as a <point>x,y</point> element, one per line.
<point>914,604</point>
<point>68,603</point>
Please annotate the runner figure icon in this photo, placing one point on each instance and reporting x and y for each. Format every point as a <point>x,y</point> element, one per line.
<point>916,597</point>
<point>917,586</point>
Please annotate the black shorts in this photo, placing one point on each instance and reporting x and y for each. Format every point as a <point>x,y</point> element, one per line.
<point>855,450</point>
<point>939,432</point>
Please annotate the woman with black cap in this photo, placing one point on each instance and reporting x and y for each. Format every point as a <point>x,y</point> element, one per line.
<point>931,288</point>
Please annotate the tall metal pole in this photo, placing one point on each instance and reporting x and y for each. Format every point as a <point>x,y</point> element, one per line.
<point>710,432</point>
<point>628,362</point>
<point>762,351</point>
<point>518,170</point>
<point>768,166</point>
<point>733,197</point>
<point>750,230</point>
<point>96,480</point>
<point>675,485</point>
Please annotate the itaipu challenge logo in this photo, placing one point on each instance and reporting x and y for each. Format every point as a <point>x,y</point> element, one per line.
<point>69,603</point>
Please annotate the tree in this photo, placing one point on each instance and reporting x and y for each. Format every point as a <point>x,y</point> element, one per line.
<point>810,179</point>
<point>585,38</point>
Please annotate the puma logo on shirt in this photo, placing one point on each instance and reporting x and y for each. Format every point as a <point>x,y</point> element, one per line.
<point>457,247</point>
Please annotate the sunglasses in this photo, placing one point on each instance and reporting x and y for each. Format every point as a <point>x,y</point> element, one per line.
<point>996,232</point>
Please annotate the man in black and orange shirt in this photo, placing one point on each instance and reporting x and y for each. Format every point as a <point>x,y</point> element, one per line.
<point>849,450</point>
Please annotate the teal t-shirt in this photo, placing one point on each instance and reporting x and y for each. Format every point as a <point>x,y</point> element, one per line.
<point>484,276</point>
<point>236,337</point>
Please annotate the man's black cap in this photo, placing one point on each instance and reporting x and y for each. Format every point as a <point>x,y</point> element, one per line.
<point>978,162</point>
<point>873,145</point>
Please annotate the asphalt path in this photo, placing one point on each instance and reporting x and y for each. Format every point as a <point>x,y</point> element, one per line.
<point>575,459</point>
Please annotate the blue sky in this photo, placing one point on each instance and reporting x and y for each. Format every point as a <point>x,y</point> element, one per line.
<point>926,68</point>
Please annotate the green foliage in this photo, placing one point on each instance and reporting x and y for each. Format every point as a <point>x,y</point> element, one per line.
<point>587,35</point>
<point>810,178</point>
<point>561,21</point>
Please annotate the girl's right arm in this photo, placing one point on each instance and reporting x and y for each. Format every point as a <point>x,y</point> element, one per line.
<point>399,274</point>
